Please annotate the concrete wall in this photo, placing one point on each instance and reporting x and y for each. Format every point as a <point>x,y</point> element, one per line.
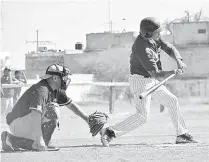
<point>196,58</point>
<point>188,88</point>
<point>77,62</point>
<point>187,33</point>
<point>36,65</point>
<point>169,38</point>
<point>97,41</point>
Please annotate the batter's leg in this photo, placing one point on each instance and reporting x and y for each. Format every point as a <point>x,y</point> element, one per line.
<point>169,100</point>
<point>138,84</point>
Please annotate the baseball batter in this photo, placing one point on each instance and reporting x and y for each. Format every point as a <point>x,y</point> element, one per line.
<point>144,73</point>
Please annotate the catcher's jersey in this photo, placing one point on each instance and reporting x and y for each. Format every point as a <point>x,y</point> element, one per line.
<point>35,98</point>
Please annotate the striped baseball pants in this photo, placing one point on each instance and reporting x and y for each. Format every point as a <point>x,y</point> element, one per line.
<point>139,84</point>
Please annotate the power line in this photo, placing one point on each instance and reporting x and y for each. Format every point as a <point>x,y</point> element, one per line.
<point>39,42</point>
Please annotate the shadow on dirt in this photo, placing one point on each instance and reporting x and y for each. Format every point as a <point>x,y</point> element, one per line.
<point>14,152</point>
<point>140,145</point>
<point>99,145</point>
<point>161,145</point>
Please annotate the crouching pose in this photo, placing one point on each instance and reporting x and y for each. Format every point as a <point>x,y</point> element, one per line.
<point>36,114</point>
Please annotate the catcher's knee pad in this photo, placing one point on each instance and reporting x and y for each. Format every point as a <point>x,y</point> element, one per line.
<point>50,121</point>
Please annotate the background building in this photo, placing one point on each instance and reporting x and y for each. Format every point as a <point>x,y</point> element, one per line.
<point>191,39</point>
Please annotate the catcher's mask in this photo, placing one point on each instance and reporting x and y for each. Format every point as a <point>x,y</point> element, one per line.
<point>60,70</point>
<point>149,26</point>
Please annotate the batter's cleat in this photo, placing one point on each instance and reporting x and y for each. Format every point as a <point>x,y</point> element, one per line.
<point>185,138</point>
<point>107,136</point>
<point>7,142</point>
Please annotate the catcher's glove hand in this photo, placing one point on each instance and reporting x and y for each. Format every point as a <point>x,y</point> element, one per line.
<point>96,122</point>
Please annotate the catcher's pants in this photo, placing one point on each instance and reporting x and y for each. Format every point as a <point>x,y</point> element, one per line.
<point>22,127</point>
<point>139,84</point>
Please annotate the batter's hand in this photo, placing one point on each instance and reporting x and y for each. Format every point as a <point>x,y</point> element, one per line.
<point>178,71</point>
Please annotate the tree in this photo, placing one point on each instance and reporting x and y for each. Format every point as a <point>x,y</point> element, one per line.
<point>197,16</point>
<point>168,26</point>
<point>112,65</point>
<point>188,17</point>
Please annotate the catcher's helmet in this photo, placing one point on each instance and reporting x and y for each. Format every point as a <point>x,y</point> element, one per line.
<point>148,25</point>
<point>60,70</point>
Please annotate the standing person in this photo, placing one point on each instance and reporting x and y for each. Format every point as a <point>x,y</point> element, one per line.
<point>21,78</point>
<point>7,93</point>
<point>35,116</point>
<point>144,73</point>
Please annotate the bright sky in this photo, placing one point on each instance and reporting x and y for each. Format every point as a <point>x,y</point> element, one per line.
<point>66,22</point>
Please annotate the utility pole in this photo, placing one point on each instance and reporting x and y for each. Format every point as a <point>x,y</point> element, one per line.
<point>109,16</point>
<point>1,26</point>
<point>37,41</point>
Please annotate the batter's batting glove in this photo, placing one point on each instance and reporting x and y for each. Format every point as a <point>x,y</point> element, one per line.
<point>97,121</point>
<point>107,135</point>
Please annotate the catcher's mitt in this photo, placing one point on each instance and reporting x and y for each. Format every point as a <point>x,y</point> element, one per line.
<point>96,122</point>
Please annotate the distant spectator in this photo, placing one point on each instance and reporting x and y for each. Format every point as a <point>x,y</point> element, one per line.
<point>2,93</point>
<point>8,93</point>
<point>20,76</point>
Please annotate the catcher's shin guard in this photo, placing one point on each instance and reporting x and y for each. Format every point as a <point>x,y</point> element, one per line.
<point>50,121</point>
<point>48,129</point>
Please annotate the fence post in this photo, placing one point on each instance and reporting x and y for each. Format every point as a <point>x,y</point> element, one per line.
<point>111,105</point>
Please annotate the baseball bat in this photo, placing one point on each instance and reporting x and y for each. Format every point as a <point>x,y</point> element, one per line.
<point>152,89</point>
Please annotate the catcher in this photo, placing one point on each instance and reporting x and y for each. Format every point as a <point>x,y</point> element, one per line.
<point>36,114</point>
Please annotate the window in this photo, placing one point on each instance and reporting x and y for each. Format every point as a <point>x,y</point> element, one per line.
<point>201,31</point>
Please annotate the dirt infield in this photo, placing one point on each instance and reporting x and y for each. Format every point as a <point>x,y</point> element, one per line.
<point>154,141</point>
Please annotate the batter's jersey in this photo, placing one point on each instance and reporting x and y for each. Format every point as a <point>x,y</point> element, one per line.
<point>145,55</point>
<point>35,98</point>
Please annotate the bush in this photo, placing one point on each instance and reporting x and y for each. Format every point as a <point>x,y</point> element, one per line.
<point>110,66</point>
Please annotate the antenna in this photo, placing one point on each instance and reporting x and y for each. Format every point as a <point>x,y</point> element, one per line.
<point>109,16</point>
<point>39,42</point>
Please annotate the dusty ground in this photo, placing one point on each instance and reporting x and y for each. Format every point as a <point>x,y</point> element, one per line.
<point>152,142</point>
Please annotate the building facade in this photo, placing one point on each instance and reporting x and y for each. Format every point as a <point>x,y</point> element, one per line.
<point>191,39</point>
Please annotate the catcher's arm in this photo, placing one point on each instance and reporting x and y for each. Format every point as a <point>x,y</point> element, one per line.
<point>64,100</point>
<point>78,111</point>
<point>95,121</point>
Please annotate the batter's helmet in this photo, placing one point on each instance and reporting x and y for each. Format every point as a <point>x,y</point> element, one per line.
<point>148,25</point>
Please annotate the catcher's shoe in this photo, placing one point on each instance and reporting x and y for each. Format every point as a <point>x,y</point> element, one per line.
<point>106,136</point>
<point>51,147</point>
<point>185,138</point>
<point>7,142</point>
